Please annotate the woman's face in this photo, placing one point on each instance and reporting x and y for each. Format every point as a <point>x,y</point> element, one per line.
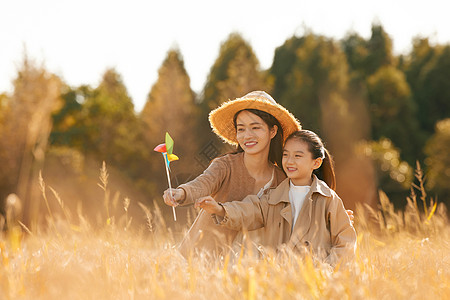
<point>252,133</point>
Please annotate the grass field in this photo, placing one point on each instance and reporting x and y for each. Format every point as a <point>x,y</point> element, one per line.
<point>400,255</point>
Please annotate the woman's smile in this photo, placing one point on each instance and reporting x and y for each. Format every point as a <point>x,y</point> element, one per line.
<point>250,144</point>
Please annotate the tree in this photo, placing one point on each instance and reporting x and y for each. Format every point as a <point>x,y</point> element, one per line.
<point>433,97</point>
<point>307,71</point>
<point>170,107</point>
<point>67,128</point>
<point>392,111</point>
<point>27,125</point>
<point>438,161</point>
<point>112,131</point>
<point>235,72</point>
<point>356,51</point>
<point>380,52</point>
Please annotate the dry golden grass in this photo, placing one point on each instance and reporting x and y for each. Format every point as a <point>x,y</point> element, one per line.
<point>400,255</point>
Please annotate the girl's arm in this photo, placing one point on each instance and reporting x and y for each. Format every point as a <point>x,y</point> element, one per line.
<point>250,213</point>
<point>207,183</point>
<point>343,235</point>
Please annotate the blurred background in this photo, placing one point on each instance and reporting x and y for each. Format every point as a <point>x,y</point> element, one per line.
<point>379,111</point>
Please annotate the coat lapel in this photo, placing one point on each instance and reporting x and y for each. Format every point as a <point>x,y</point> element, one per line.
<point>304,220</point>
<point>286,213</point>
<point>281,194</point>
<point>303,223</point>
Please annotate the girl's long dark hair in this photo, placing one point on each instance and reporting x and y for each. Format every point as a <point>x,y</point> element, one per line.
<point>276,144</point>
<point>317,149</point>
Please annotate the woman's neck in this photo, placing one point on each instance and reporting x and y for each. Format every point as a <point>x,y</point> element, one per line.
<point>257,164</point>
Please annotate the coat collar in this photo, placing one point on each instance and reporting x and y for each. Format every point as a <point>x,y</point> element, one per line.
<point>319,186</point>
<point>281,193</point>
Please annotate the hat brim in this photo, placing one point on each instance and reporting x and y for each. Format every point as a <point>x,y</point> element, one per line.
<point>221,119</point>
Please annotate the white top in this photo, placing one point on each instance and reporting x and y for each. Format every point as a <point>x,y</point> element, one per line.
<point>297,195</point>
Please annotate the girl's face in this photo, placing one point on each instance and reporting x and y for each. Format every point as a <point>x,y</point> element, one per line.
<point>298,162</point>
<point>252,133</point>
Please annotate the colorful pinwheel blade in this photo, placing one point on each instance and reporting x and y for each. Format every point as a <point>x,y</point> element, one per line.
<point>169,143</point>
<point>160,148</point>
<point>172,157</point>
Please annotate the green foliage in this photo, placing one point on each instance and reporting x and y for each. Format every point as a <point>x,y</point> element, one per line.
<point>434,98</point>
<point>427,72</point>
<point>235,72</point>
<point>67,128</point>
<point>438,161</point>
<point>380,52</point>
<point>393,174</point>
<point>356,51</point>
<point>112,131</point>
<point>392,111</point>
<point>308,71</point>
<point>391,166</point>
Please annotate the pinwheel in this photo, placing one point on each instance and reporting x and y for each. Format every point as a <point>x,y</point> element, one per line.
<point>166,150</point>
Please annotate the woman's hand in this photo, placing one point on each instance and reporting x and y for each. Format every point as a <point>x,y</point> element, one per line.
<point>174,199</point>
<point>350,215</point>
<point>210,205</point>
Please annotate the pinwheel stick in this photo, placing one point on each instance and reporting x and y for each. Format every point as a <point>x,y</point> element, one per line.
<point>170,184</point>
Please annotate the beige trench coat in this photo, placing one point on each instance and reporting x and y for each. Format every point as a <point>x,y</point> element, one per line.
<point>226,179</point>
<point>322,227</point>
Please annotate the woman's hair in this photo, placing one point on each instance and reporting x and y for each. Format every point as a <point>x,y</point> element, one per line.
<point>317,149</point>
<point>276,144</point>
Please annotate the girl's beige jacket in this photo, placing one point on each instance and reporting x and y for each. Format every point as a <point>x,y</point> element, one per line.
<point>323,226</point>
<point>226,179</point>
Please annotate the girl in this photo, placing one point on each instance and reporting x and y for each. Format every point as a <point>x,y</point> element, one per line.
<point>257,125</point>
<point>303,211</point>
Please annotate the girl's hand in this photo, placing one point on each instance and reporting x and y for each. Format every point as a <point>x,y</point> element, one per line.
<point>210,205</point>
<point>350,215</point>
<point>178,196</point>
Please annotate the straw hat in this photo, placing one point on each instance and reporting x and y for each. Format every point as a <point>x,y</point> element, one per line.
<point>221,119</point>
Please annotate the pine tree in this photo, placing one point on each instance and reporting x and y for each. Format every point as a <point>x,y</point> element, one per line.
<point>171,108</point>
<point>235,73</point>
<point>356,51</point>
<point>112,131</point>
<point>380,52</point>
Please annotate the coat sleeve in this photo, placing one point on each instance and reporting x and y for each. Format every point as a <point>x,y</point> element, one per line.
<point>343,235</point>
<point>207,183</point>
<point>250,213</point>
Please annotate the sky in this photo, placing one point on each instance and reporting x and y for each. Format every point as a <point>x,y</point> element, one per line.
<point>79,39</point>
